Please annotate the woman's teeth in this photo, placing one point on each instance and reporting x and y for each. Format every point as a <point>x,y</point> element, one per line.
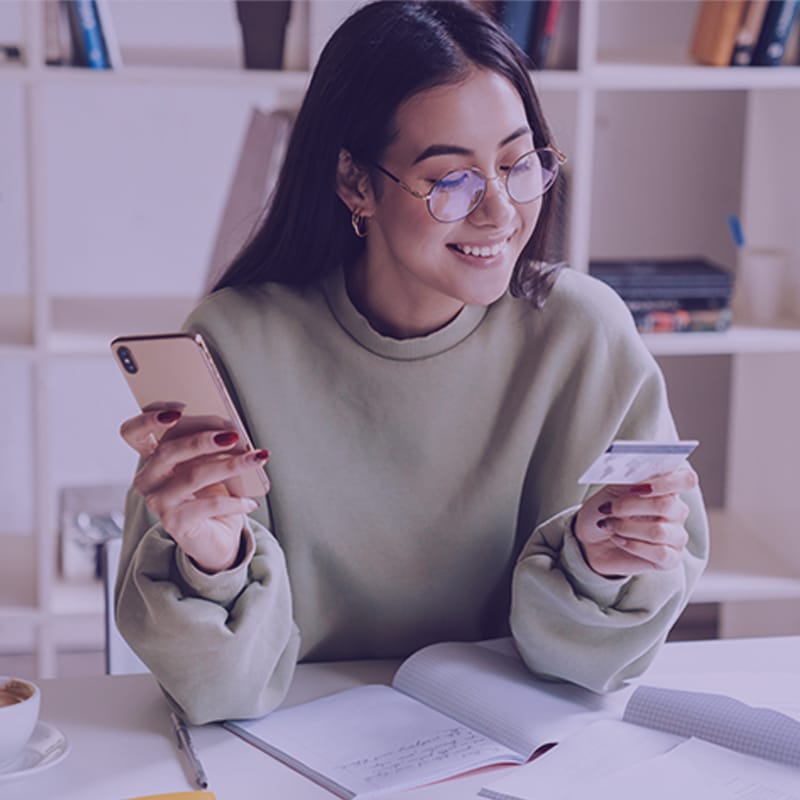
<point>481,252</point>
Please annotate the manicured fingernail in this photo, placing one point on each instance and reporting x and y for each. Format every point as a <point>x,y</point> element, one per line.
<point>168,417</point>
<point>251,505</point>
<point>605,508</point>
<point>226,439</point>
<point>601,523</point>
<point>642,488</point>
<point>258,456</point>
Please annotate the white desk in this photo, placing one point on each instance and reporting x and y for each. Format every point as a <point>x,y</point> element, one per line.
<point>123,745</point>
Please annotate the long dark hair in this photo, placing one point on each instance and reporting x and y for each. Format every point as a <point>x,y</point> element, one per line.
<point>380,56</point>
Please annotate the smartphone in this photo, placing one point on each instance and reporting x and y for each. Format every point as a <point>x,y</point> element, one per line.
<point>176,370</point>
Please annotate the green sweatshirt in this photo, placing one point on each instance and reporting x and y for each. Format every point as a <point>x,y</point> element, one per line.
<point>422,490</point>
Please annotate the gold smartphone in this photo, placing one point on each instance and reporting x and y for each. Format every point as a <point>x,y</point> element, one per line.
<point>176,370</point>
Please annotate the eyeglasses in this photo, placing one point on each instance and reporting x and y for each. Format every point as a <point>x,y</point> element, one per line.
<point>458,193</point>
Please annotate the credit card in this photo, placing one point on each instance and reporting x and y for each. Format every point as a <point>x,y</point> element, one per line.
<point>630,461</point>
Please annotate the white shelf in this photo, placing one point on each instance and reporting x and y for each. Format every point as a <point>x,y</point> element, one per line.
<point>225,77</point>
<point>737,339</point>
<point>86,325</point>
<point>77,598</point>
<point>736,587</point>
<point>648,71</point>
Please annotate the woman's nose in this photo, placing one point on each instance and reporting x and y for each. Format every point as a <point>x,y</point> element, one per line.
<point>497,208</point>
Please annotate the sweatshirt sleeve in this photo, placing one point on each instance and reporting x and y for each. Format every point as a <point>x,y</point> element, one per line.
<point>569,622</point>
<point>221,646</point>
<point>573,624</point>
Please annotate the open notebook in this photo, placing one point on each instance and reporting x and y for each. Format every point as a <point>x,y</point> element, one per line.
<point>452,707</point>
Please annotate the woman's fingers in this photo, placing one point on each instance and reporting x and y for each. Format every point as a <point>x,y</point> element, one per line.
<point>170,454</point>
<point>652,530</point>
<point>661,555</point>
<point>143,431</point>
<point>185,521</point>
<point>668,506</point>
<point>199,477</point>
<point>630,529</point>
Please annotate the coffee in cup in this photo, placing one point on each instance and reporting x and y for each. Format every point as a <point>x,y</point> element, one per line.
<point>15,691</point>
<point>19,712</point>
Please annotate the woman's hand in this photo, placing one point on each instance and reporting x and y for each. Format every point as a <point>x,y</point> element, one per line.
<point>625,530</point>
<point>182,482</point>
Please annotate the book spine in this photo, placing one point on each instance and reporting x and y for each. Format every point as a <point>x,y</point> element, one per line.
<point>716,27</point>
<point>87,39</point>
<point>109,33</point>
<point>57,41</point>
<point>681,320</point>
<point>546,32</point>
<point>747,38</point>
<point>518,17</point>
<point>778,21</point>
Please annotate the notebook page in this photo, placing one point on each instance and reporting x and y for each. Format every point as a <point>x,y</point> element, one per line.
<point>761,732</point>
<point>577,762</point>
<point>370,739</point>
<point>697,769</point>
<point>496,694</point>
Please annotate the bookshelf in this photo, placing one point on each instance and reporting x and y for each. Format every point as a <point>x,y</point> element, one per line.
<point>111,188</point>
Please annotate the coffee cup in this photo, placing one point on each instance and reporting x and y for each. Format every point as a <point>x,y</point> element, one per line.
<point>19,712</point>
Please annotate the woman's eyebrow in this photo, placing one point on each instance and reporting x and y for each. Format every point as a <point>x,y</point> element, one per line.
<point>452,149</point>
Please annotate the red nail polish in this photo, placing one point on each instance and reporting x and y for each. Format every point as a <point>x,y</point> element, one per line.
<point>605,508</point>
<point>226,439</point>
<point>168,417</point>
<point>261,455</point>
<point>642,488</point>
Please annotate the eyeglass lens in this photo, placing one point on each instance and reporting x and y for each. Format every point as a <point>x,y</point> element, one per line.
<point>459,193</point>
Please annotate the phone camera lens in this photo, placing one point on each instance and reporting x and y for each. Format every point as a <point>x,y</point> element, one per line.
<point>126,359</point>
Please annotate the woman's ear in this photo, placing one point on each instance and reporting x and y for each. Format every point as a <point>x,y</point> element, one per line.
<point>353,185</point>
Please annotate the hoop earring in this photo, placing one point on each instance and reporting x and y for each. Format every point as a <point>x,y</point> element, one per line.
<point>359,223</point>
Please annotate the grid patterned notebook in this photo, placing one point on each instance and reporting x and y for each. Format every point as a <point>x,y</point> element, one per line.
<point>761,732</point>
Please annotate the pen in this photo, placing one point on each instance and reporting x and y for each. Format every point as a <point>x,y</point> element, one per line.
<point>736,230</point>
<point>187,746</point>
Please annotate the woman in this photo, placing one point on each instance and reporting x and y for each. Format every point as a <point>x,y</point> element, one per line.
<point>427,425</point>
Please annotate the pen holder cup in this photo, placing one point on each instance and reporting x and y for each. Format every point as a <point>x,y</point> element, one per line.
<point>760,286</point>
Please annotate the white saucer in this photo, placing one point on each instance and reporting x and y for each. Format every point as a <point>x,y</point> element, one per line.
<point>46,748</point>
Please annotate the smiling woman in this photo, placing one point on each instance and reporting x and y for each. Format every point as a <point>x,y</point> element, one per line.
<point>430,390</point>
<point>423,262</point>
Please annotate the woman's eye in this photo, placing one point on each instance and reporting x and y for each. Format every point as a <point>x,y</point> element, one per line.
<point>453,180</point>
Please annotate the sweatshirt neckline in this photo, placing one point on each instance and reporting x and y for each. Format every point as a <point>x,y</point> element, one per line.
<point>355,324</point>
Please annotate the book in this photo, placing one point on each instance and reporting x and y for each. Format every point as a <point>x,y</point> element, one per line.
<point>748,34</point>
<point>109,33</point>
<point>750,739</point>
<point>518,17</point>
<point>88,48</point>
<point>716,26</point>
<point>452,707</point>
<point>687,282</point>
<point>545,30</point>
<point>57,36</point>
<point>779,19</point>
<point>683,320</point>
